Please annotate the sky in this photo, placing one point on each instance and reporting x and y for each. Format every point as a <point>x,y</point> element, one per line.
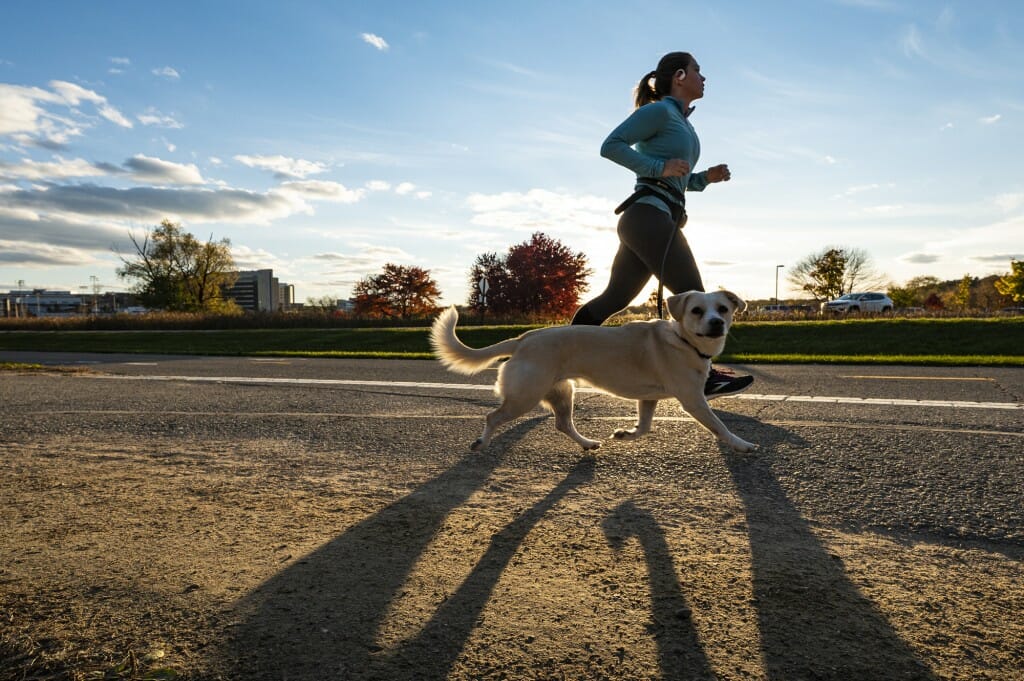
<point>326,139</point>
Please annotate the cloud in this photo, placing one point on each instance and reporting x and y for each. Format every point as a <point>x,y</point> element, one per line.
<point>322,191</point>
<point>34,230</point>
<point>998,259</point>
<point>23,254</point>
<point>989,120</point>
<point>1010,202</point>
<point>921,258</point>
<point>283,167</point>
<point>153,204</point>
<point>152,117</point>
<point>375,40</point>
<point>119,62</point>
<point>167,72</point>
<point>158,171</point>
<point>75,94</point>
<point>378,185</point>
<point>541,209</point>
<point>58,169</point>
<point>912,43</point>
<point>26,113</point>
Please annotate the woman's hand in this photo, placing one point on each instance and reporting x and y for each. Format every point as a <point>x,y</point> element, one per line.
<point>719,173</point>
<point>676,167</point>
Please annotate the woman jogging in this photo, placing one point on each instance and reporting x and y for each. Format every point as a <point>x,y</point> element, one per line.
<point>658,143</point>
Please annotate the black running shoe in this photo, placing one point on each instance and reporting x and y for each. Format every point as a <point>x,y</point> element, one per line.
<point>723,382</point>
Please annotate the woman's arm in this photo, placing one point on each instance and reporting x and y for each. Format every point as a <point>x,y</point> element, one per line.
<point>642,124</point>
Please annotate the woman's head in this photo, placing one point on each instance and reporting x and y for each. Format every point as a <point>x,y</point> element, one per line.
<point>658,83</point>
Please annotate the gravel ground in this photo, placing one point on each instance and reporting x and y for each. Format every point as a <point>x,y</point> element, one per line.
<point>222,531</point>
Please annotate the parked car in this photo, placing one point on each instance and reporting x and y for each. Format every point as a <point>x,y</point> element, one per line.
<point>859,302</point>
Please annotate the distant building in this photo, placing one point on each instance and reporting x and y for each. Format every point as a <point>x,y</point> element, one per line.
<point>50,303</point>
<point>41,303</point>
<point>260,291</point>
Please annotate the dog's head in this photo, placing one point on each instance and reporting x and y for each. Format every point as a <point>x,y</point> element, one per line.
<point>704,318</point>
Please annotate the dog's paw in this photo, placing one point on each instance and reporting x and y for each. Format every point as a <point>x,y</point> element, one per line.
<point>626,434</point>
<point>742,446</point>
<point>590,445</point>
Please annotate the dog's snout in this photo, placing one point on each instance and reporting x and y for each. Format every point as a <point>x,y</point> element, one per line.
<point>715,327</point>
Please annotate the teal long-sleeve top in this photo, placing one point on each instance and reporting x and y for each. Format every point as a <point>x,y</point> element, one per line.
<point>650,136</point>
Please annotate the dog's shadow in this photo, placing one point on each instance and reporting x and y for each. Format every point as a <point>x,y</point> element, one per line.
<point>814,622</point>
<point>320,617</point>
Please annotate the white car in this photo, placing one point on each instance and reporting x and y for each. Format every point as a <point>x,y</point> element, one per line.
<point>859,302</point>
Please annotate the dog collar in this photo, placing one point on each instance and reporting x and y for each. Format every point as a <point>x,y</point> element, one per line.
<point>694,347</point>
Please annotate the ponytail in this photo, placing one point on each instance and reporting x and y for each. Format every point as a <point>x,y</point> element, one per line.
<point>647,92</point>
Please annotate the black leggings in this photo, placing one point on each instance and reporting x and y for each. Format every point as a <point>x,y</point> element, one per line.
<point>644,231</point>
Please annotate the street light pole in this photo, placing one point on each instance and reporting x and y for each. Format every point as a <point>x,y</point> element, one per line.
<point>777,268</point>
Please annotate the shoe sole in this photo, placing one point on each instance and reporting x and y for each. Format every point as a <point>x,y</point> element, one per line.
<point>731,392</point>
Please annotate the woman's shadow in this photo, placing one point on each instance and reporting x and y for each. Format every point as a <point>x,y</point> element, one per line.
<point>814,622</point>
<point>319,619</point>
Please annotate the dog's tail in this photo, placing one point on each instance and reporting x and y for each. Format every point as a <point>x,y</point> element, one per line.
<point>458,357</point>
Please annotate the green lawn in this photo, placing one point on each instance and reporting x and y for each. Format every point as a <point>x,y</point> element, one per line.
<point>997,341</point>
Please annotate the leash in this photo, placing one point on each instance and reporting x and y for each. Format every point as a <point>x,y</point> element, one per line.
<point>661,277</point>
<point>678,210</point>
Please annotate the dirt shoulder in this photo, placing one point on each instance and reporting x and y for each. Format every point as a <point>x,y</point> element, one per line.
<point>250,559</point>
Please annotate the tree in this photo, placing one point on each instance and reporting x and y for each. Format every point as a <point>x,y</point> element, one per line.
<point>323,303</point>
<point>175,271</point>
<point>540,277</point>
<point>961,297</point>
<point>1012,283</point>
<point>902,296</point>
<point>396,293</point>
<point>820,274</point>
<point>834,271</point>
<point>490,266</point>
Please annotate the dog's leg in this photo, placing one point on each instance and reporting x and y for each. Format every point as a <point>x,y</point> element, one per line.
<point>509,409</point>
<point>696,405</point>
<point>519,395</point>
<point>644,417</point>
<point>560,400</point>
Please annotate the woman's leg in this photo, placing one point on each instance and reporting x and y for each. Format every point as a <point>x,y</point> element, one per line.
<point>628,278</point>
<point>647,234</point>
<point>644,234</point>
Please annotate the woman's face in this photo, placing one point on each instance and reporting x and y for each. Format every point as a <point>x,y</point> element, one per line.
<point>693,84</point>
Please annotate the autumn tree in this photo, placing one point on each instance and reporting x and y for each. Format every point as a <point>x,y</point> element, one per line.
<point>961,297</point>
<point>175,271</point>
<point>1012,283</point>
<point>540,277</point>
<point>834,271</point>
<point>398,292</point>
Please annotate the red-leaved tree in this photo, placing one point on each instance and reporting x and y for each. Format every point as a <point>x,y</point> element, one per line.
<point>540,277</point>
<point>396,293</point>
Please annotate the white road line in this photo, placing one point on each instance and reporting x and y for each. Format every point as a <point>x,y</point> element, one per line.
<point>865,401</point>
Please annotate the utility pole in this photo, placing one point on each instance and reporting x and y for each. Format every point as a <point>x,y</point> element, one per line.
<point>95,292</point>
<point>777,268</point>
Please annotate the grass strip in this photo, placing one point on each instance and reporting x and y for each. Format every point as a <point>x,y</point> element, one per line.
<point>942,342</point>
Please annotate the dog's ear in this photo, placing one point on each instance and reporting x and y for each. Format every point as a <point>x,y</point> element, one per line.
<point>677,304</point>
<point>738,302</point>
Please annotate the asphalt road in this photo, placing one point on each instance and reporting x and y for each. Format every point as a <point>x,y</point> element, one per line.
<point>951,439</point>
<point>885,505</point>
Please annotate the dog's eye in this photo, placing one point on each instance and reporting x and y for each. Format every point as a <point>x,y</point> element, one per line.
<point>722,309</point>
<point>697,311</point>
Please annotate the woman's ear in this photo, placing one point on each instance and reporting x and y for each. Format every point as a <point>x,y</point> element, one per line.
<point>681,74</point>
